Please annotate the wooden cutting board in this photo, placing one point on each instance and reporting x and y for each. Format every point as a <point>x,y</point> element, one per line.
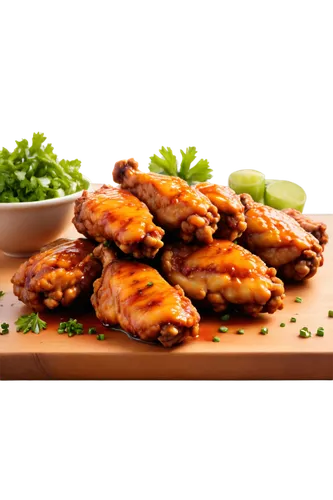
<point>281,354</point>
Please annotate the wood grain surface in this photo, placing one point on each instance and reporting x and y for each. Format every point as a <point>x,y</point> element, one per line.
<point>281,354</point>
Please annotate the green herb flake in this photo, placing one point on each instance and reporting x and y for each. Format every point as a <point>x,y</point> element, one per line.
<point>304,333</point>
<point>282,325</point>
<point>320,332</point>
<point>101,336</point>
<point>298,299</point>
<point>264,331</point>
<point>216,339</point>
<point>4,328</point>
<point>106,244</point>
<point>92,330</point>
<point>2,294</point>
<point>330,314</point>
<point>292,320</point>
<point>223,329</point>
<point>150,283</point>
<point>241,331</point>
<point>225,317</point>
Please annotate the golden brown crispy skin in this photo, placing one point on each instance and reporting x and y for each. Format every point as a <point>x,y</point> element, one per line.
<point>57,275</point>
<point>113,214</point>
<point>224,274</point>
<point>135,296</point>
<point>280,241</point>
<point>317,229</point>
<point>232,219</point>
<point>174,204</point>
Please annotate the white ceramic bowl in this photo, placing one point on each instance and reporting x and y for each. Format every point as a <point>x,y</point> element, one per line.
<point>27,226</point>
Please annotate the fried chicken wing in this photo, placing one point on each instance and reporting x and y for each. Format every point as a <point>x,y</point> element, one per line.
<point>232,219</point>
<point>135,296</point>
<point>59,274</point>
<point>174,204</point>
<point>280,241</point>
<point>113,214</point>
<point>317,229</point>
<point>224,274</point>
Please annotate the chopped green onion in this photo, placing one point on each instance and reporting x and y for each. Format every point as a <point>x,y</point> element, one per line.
<point>34,173</point>
<point>101,336</point>
<point>330,314</point>
<point>225,317</point>
<point>223,329</point>
<point>320,332</point>
<point>92,330</point>
<point>150,283</point>
<point>298,299</point>
<point>216,339</point>
<point>240,332</point>
<point>282,325</point>
<point>304,333</point>
<point>4,328</point>
<point>71,327</point>
<point>264,331</point>
<point>292,320</point>
<point>2,293</point>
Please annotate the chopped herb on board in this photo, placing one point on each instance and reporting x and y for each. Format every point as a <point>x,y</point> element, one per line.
<point>4,328</point>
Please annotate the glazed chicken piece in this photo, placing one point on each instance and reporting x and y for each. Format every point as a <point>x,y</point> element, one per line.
<point>174,204</point>
<point>317,229</point>
<point>223,274</point>
<point>135,296</point>
<point>232,219</point>
<point>280,241</point>
<point>59,274</point>
<point>113,214</point>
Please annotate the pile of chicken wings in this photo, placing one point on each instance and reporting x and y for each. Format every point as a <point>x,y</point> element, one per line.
<point>155,246</point>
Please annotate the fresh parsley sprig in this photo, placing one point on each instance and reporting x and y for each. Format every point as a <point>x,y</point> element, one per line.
<point>168,165</point>
<point>30,323</point>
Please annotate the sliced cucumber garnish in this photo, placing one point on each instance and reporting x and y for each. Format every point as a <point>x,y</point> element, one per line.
<point>285,194</point>
<point>248,181</point>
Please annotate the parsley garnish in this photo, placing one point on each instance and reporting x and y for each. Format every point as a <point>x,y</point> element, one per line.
<point>186,163</point>
<point>30,322</point>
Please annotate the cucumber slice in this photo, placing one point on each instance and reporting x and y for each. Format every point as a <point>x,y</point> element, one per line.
<point>285,194</point>
<point>248,181</point>
<point>271,178</point>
